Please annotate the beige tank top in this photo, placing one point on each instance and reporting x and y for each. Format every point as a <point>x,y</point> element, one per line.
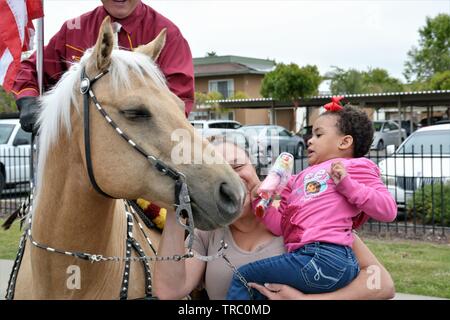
<point>218,274</point>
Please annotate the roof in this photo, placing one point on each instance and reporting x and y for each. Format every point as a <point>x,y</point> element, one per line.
<point>212,121</point>
<point>415,98</point>
<point>229,65</point>
<point>9,121</point>
<point>435,127</point>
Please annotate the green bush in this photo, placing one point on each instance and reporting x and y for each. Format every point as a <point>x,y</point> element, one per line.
<point>432,203</point>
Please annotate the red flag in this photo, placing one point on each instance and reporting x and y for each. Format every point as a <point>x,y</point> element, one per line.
<point>16,35</point>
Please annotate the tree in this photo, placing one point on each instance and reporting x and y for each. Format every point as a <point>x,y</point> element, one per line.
<point>378,80</point>
<point>345,81</point>
<point>440,81</point>
<point>7,102</point>
<point>290,82</point>
<point>238,95</point>
<point>433,53</point>
<point>353,81</point>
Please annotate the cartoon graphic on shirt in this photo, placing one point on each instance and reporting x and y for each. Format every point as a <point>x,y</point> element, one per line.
<point>315,183</point>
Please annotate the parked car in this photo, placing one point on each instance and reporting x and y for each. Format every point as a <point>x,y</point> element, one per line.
<point>15,147</point>
<point>417,162</point>
<point>430,121</point>
<point>305,133</point>
<point>215,124</point>
<point>406,124</point>
<point>443,121</point>
<point>270,140</point>
<point>386,133</point>
<point>234,136</point>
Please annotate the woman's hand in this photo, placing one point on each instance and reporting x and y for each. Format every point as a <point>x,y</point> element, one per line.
<point>275,291</point>
<point>337,172</point>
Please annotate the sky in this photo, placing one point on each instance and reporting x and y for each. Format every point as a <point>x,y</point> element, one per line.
<point>348,34</point>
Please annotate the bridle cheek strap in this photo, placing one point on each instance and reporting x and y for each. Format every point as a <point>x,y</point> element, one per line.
<point>85,89</point>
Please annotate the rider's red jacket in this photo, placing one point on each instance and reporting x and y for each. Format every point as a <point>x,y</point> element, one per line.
<point>141,27</point>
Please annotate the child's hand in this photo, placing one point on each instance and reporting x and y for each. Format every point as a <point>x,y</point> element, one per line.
<point>337,172</point>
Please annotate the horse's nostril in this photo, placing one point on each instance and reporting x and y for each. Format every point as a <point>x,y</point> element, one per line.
<point>225,193</point>
<point>228,201</point>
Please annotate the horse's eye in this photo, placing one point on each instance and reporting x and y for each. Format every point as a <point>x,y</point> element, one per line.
<point>136,114</point>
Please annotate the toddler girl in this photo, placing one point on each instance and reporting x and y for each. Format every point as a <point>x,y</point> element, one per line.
<point>320,206</point>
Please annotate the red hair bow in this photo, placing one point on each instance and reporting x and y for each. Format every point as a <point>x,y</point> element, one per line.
<point>334,105</point>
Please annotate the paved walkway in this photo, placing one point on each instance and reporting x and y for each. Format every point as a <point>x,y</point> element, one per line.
<point>5,271</point>
<point>6,265</point>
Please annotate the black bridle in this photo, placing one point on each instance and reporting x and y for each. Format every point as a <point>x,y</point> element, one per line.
<point>87,92</point>
<point>182,199</point>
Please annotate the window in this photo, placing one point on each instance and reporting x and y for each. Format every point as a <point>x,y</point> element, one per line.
<point>392,126</point>
<point>219,125</point>
<point>5,132</point>
<point>284,133</point>
<point>427,143</point>
<point>221,115</point>
<point>23,136</point>
<point>225,87</point>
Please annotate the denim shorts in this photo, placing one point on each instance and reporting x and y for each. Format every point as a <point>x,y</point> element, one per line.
<point>314,268</point>
<point>331,267</point>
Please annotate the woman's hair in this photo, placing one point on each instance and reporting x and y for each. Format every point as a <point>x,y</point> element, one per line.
<point>356,123</point>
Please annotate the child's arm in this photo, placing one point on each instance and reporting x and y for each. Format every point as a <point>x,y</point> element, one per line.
<point>361,184</point>
<point>272,217</point>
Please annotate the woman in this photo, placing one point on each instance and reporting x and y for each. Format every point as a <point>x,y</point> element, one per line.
<point>248,240</point>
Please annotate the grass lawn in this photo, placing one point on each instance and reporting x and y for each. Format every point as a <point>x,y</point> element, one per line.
<point>416,267</point>
<point>9,241</point>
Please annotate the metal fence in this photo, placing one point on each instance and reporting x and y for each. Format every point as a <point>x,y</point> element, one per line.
<point>418,181</point>
<point>14,177</point>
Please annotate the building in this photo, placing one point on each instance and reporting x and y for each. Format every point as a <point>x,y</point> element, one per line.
<point>230,75</point>
<point>421,106</point>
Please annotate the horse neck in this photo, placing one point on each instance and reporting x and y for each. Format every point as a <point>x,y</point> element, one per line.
<point>69,212</point>
<point>70,215</point>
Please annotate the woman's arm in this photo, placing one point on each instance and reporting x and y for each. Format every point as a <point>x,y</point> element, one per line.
<point>373,282</point>
<point>175,279</point>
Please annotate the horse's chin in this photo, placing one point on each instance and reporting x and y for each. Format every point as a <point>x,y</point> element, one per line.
<point>208,219</point>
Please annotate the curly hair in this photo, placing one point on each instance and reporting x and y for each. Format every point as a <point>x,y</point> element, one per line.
<point>357,124</point>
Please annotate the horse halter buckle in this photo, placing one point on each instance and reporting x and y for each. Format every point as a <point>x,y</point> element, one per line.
<point>85,85</point>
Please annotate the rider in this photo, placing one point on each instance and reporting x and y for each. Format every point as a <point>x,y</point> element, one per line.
<point>139,24</point>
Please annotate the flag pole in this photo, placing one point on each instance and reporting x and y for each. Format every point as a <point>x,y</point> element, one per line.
<point>40,51</point>
<point>40,77</point>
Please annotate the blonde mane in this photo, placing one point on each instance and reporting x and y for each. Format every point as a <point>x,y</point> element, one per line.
<point>56,103</point>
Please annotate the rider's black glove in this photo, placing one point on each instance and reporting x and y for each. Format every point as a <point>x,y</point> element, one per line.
<point>29,109</point>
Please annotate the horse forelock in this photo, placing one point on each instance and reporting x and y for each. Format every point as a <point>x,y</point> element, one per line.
<point>55,113</point>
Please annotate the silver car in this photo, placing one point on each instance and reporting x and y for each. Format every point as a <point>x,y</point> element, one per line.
<point>271,140</point>
<point>387,132</point>
<point>424,158</point>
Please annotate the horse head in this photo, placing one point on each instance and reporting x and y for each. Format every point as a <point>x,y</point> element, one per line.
<point>134,94</point>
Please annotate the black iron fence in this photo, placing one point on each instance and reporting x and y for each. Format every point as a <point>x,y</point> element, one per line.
<point>14,177</point>
<point>418,180</point>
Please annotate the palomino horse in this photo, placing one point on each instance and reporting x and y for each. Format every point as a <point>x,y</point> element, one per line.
<point>77,216</point>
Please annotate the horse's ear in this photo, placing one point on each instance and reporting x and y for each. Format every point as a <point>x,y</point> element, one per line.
<point>104,45</point>
<point>154,48</point>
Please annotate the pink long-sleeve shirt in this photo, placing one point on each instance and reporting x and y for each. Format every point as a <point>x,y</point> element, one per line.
<point>313,208</point>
